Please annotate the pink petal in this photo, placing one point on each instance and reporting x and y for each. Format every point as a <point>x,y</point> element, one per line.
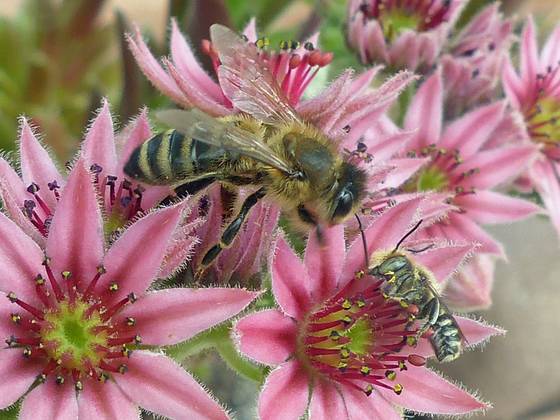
<point>327,402</point>
<point>18,373</point>
<point>131,263</point>
<point>543,175</point>
<point>105,401</point>
<point>489,207</point>
<point>195,96</point>
<point>461,228</point>
<point>250,30</point>
<point>360,406</point>
<point>550,56</point>
<point>173,315</point>
<point>20,261</point>
<point>99,144</point>
<point>469,133</point>
<point>181,248</point>
<point>156,383</point>
<point>37,165</point>
<point>404,169</point>
<point>7,326</point>
<point>513,86</point>
<point>268,336</point>
<point>477,332</point>
<point>284,395</point>
<point>529,53</point>
<point>496,166</point>
<point>471,288</point>
<point>76,239</point>
<point>383,234</point>
<point>323,260</point>
<point>132,136</point>
<point>189,66</point>
<point>153,71</point>
<point>13,209</point>
<point>289,278</point>
<point>427,392</point>
<point>444,261</point>
<point>50,401</point>
<point>425,113</point>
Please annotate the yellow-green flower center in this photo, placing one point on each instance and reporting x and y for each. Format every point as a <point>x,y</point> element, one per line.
<point>431,178</point>
<point>543,121</point>
<point>72,336</point>
<point>396,21</point>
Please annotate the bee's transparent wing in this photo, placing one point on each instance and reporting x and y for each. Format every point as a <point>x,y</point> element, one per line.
<point>202,127</point>
<point>247,81</point>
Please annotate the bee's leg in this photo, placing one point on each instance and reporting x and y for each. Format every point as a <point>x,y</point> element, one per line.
<point>188,188</point>
<point>430,312</point>
<point>231,231</point>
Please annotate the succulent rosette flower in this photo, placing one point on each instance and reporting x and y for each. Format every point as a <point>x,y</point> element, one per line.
<point>535,93</point>
<point>473,64</point>
<point>336,336</point>
<point>184,80</point>
<point>460,167</point>
<point>402,34</point>
<point>30,200</point>
<point>78,317</point>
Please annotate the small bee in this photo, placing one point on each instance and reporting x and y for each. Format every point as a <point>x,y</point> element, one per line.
<point>267,145</point>
<point>410,285</point>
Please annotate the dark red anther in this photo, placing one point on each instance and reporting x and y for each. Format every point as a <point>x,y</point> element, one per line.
<point>315,58</point>
<point>295,61</point>
<point>326,59</point>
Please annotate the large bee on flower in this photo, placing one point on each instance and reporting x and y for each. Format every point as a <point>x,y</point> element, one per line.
<point>267,145</point>
<point>414,286</point>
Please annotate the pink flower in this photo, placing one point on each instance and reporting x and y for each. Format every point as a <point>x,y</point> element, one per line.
<point>31,200</point>
<point>78,312</point>
<point>535,93</point>
<point>472,68</point>
<point>336,335</point>
<point>459,167</point>
<point>184,81</point>
<point>407,34</point>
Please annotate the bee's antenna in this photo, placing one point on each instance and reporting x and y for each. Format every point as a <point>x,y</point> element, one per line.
<point>364,242</point>
<point>410,232</point>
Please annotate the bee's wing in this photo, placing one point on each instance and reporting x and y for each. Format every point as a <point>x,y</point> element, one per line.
<point>202,127</point>
<point>247,81</point>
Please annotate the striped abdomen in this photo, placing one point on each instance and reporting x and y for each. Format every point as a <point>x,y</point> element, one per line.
<point>447,338</point>
<point>169,157</point>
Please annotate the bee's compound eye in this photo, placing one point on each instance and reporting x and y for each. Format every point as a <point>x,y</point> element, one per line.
<point>343,204</point>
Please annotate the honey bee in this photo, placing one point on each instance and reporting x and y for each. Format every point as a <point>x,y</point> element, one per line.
<point>267,146</point>
<point>410,284</point>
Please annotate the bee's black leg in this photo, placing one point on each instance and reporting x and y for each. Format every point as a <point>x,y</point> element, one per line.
<point>231,231</point>
<point>430,312</point>
<point>188,188</point>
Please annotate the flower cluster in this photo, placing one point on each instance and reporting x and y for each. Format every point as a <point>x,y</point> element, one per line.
<point>387,175</point>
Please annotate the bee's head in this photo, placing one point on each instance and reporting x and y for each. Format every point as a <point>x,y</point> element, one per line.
<point>348,194</point>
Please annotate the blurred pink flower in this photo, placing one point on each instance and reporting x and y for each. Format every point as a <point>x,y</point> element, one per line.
<point>407,35</point>
<point>78,311</point>
<point>535,93</point>
<point>472,67</point>
<point>185,82</point>
<point>336,335</point>
<point>460,167</point>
